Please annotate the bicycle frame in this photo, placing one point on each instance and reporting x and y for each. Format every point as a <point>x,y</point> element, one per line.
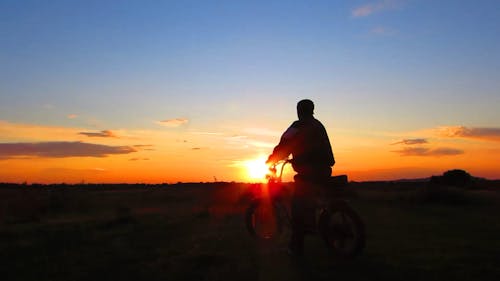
<point>335,221</point>
<point>275,181</point>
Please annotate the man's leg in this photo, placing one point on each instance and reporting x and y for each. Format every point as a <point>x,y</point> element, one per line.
<point>298,228</point>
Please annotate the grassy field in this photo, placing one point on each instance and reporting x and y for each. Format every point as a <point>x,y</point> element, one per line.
<point>197,232</point>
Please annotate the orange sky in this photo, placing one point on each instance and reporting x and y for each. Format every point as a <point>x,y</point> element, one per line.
<point>175,154</point>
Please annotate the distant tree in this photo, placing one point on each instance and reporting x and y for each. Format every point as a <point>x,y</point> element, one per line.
<point>456,177</point>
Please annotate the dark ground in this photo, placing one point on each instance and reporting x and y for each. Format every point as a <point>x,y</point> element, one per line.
<point>197,232</point>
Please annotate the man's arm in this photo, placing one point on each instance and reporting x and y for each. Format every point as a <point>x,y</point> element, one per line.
<point>284,147</point>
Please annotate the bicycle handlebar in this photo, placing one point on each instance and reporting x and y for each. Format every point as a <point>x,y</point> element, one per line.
<point>273,171</point>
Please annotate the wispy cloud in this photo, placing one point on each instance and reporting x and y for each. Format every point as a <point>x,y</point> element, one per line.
<point>173,123</point>
<point>261,144</point>
<point>245,142</point>
<point>382,31</point>
<point>207,133</point>
<point>411,141</point>
<point>492,134</point>
<point>144,147</point>
<point>368,9</point>
<point>262,132</point>
<point>198,148</point>
<point>138,159</point>
<point>60,170</point>
<point>424,151</point>
<point>72,116</point>
<point>60,150</point>
<point>101,134</point>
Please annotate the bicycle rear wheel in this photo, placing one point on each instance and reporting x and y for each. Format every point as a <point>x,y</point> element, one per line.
<point>342,230</point>
<point>266,220</point>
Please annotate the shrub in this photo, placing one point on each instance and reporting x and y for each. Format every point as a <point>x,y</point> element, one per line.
<point>457,178</point>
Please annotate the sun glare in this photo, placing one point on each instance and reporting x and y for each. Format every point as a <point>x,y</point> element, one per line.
<point>257,168</point>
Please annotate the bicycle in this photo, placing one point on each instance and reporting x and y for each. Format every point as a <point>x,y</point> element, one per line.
<point>335,221</point>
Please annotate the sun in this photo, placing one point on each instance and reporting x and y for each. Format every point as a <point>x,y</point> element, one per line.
<point>257,168</point>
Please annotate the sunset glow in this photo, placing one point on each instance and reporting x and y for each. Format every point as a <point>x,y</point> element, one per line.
<point>257,169</point>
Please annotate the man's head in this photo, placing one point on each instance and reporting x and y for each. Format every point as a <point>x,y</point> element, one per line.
<point>305,108</point>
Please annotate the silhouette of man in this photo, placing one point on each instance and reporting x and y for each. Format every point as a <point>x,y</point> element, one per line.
<point>307,140</point>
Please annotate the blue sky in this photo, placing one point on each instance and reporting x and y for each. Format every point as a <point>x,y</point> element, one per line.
<point>78,54</point>
<point>370,66</point>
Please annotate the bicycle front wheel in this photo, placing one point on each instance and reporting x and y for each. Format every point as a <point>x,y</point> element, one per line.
<point>342,230</point>
<point>265,220</point>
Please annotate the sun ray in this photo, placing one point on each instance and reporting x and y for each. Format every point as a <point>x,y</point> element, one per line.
<point>256,168</point>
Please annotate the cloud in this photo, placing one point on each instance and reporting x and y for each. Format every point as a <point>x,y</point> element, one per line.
<point>380,30</point>
<point>207,133</point>
<point>148,147</point>
<point>262,132</point>
<point>101,134</point>
<point>411,141</point>
<point>138,159</point>
<point>60,150</point>
<point>246,142</point>
<point>198,148</point>
<point>424,151</point>
<point>72,116</point>
<point>261,144</point>
<point>363,11</point>
<point>173,123</point>
<point>59,170</point>
<point>368,9</point>
<point>492,134</point>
